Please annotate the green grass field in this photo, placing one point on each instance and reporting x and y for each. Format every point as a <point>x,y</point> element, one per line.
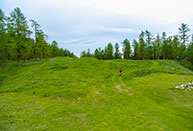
<point>88,94</point>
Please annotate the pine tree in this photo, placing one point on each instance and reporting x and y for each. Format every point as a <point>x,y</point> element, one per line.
<point>103,54</point>
<point>21,30</point>
<point>164,45</point>
<point>54,51</point>
<point>157,47</point>
<point>83,54</point>
<point>149,48</point>
<point>109,51</point>
<point>190,52</point>
<point>183,30</point>
<point>41,45</point>
<point>175,47</point>
<point>126,49</point>
<point>136,49</point>
<point>88,54</point>
<point>96,54</point>
<point>117,54</point>
<point>100,53</point>
<point>169,48</point>
<point>3,40</point>
<point>141,46</point>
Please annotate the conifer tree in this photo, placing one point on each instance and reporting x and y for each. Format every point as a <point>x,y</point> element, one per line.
<point>157,47</point>
<point>96,54</point>
<point>183,30</point>
<point>190,52</point>
<point>175,48</point>
<point>117,54</point>
<point>164,45</point>
<point>126,49</point>
<point>21,30</point>
<point>109,51</point>
<point>149,48</point>
<point>141,46</point>
<point>136,49</point>
<point>3,40</point>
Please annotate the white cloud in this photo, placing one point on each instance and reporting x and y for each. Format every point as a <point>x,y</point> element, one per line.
<point>71,41</point>
<point>119,30</point>
<point>164,10</point>
<point>167,10</point>
<point>78,42</point>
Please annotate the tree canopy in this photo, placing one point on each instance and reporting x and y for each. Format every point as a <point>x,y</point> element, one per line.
<point>17,43</point>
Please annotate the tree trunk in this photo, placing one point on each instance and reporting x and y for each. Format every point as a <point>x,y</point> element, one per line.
<point>19,64</point>
<point>41,55</point>
<point>185,61</point>
<point>143,55</point>
<point>25,59</point>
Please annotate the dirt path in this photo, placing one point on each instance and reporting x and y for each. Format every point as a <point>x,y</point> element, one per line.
<point>121,83</point>
<point>154,64</point>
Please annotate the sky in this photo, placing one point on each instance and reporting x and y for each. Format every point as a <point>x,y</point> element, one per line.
<point>81,24</point>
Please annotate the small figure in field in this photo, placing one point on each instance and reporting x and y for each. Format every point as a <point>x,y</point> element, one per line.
<point>121,70</point>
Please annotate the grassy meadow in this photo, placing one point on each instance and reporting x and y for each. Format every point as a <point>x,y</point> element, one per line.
<point>88,94</point>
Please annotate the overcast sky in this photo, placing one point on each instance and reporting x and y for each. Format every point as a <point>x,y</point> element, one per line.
<point>81,24</point>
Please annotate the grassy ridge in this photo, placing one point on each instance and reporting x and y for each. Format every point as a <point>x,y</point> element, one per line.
<point>88,94</point>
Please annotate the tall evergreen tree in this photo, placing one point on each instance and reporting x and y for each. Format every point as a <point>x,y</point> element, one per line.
<point>21,30</point>
<point>183,30</point>
<point>136,49</point>
<point>88,54</point>
<point>149,48</point>
<point>126,49</point>
<point>142,35</point>
<point>54,51</point>
<point>141,46</point>
<point>40,45</point>
<point>141,49</point>
<point>169,48</point>
<point>103,54</point>
<point>157,47</point>
<point>96,54</point>
<point>117,54</point>
<point>3,40</point>
<point>109,51</point>
<point>164,45</point>
<point>190,52</point>
<point>175,48</point>
<point>100,53</point>
<point>83,54</point>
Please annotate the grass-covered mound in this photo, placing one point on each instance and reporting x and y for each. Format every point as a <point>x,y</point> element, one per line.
<point>88,94</point>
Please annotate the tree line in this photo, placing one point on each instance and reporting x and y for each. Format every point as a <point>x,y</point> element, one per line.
<point>149,47</point>
<point>21,39</point>
<point>16,42</point>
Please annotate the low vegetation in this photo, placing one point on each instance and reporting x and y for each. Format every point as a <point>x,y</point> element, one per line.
<point>49,92</point>
<point>88,94</point>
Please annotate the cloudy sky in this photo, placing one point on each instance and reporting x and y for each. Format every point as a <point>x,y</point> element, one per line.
<point>81,24</point>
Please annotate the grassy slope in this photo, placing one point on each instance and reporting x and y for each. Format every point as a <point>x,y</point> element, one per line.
<point>88,94</point>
